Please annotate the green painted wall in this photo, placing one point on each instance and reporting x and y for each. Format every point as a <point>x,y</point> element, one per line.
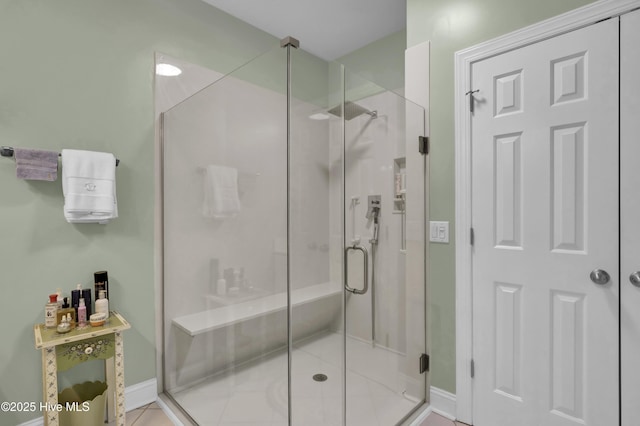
<point>80,74</point>
<point>381,61</point>
<point>452,25</point>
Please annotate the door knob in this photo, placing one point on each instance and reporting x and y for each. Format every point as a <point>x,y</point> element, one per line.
<point>635,278</point>
<point>600,276</point>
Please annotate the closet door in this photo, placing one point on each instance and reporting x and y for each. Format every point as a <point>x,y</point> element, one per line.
<point>545,219</point>
<point>630,216</point>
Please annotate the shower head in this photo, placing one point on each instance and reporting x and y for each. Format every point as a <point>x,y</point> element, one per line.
<point>351,111</point>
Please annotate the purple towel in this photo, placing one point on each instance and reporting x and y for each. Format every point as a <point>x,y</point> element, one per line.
<point>36,164</point>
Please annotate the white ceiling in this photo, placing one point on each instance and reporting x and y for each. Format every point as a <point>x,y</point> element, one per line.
<point>327,28</point>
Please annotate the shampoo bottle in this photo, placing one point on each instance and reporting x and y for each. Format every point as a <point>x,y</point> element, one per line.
<point>102,304</point>
<point>82,314</point>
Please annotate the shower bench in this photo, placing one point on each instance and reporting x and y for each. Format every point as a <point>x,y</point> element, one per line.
<point>212,319</point>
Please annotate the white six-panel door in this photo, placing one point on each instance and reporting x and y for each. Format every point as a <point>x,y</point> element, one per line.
<point>545,215</point>
<point>630,215</point>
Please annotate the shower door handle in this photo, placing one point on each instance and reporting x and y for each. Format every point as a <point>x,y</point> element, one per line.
<point>365,255</point>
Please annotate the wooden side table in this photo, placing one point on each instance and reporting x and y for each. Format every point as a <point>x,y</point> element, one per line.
<point>63,351</point>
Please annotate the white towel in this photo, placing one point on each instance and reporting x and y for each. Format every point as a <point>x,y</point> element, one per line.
<point>89,186</point>
<point>221,198</point>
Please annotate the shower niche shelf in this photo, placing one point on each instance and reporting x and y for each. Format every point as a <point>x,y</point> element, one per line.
<point>399,186</point>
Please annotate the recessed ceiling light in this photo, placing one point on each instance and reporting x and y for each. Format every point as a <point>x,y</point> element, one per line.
<point>319,116</point>
<point>168,70</point>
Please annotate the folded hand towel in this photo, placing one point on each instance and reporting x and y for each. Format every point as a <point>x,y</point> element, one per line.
<point>36,164</point>
<point>89,186</point>
<point>221,198</point>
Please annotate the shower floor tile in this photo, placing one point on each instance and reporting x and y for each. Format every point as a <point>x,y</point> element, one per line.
<point>257,393</point>
<point>248,407</point>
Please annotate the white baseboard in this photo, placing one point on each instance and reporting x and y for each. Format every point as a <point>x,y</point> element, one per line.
<point>443,403</point>
<point>135,396</point>
<point>420,418</point>
<point>167,410</point>
<point>141,394</point>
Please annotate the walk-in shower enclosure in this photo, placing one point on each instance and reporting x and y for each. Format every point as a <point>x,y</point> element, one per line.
<point>267,179</point>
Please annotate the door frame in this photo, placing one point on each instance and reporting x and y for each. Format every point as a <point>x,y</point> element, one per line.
<point>464,59</point>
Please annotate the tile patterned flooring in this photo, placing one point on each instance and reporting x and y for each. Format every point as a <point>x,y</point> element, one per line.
<point>152,415</point>
<point>375,388</point>
<point>149,415</point>
<point>437,420</point>
<point>256,393</point>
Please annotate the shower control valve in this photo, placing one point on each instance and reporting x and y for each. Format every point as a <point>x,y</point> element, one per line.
<point>373,209</point>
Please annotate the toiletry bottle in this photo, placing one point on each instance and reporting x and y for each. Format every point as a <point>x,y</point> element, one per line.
<point>82,314</point>
<point>221,287</point>
<point>50,312</point>
<point>228,277</point>
<point>102,304</point>
<point>237,281</point>
<point>101,280</point>
<point>65,311</point>
<point>59,293</point>
<point>64,326</point>
<point>214,272</point>
<point>242,281</point>
<point>86,295</point>
<point>75,298</point>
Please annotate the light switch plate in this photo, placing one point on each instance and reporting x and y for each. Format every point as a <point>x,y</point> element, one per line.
<point>438,232</point>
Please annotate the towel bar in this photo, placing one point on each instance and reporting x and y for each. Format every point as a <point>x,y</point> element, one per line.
<point>7,151</point>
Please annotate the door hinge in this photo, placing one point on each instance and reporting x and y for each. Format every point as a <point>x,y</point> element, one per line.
<point>472,237</point>
<point>471,98</point>
<point>473,369</point>
<point>423,144</point>
<point>424,363</point>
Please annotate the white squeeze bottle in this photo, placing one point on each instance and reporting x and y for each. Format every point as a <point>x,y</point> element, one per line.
<point>102,304</point>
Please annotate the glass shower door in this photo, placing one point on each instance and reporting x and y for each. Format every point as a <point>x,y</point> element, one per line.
<point>225,233</point>
<point>384,198</point>
<point>294,289</point>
